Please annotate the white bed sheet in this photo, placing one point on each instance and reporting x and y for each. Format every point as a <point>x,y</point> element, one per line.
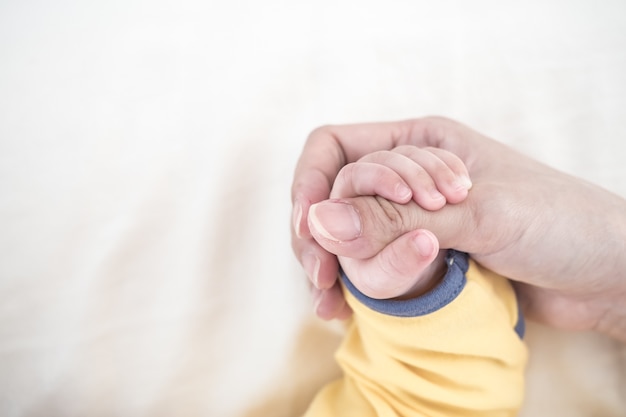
<point>146,154</point>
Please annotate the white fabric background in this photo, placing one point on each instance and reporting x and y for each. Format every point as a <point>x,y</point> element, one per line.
<point>146,154</point>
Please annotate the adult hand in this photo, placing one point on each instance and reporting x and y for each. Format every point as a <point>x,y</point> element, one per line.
<point>559,237</point>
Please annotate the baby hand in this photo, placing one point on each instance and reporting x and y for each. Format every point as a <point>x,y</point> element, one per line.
<point>431,177</point>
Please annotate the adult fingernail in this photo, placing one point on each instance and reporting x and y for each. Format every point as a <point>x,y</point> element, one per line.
<point>424,244</point>
<point>463,182</point>
<point>297,217</point>
<point>317,299</point>
<point>311,265</point>
<point>335,220</point>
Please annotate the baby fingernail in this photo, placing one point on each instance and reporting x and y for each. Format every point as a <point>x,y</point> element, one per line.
<point>463,182</point>
<point>436,195</point>
<point>403,192</point>
<point>424,244</point>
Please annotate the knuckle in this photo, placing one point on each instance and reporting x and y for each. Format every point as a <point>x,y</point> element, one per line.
<point>409,151</point>
<point>392,218</point>
<point>320,131</point>
<point>376,157</point>
<point>405,150</point>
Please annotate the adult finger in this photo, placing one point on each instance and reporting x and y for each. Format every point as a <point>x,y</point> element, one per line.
<point>361,227</point>
<point>330,303</point>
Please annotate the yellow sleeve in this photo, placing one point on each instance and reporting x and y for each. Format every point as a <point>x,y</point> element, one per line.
<point>463,359</point>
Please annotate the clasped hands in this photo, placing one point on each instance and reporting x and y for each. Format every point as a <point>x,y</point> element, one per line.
<point>387,197</point>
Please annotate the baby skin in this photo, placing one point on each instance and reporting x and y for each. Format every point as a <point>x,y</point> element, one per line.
<point>445,341</point>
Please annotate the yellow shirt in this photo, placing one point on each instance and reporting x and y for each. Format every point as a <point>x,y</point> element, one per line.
<point>456,351</point>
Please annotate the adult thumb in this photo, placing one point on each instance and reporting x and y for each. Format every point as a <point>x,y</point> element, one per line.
<point>361,227</point>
